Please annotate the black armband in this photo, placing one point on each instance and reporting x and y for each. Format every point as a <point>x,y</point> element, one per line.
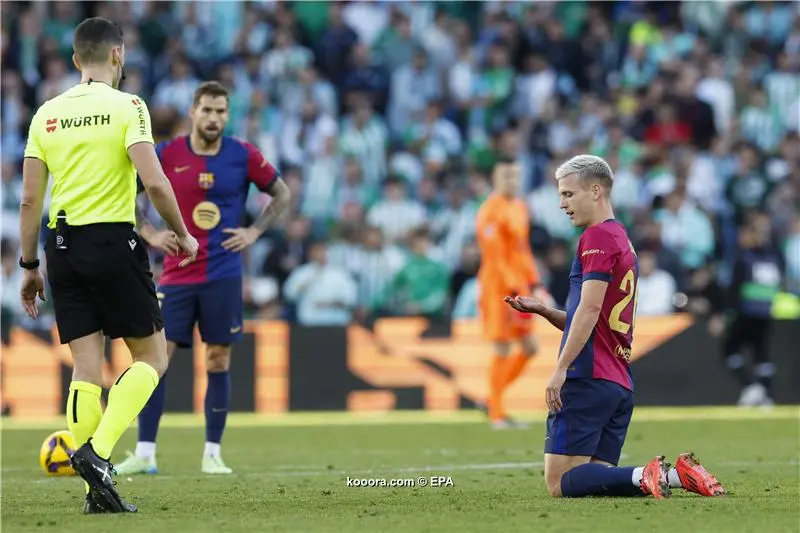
<point>32,265</point>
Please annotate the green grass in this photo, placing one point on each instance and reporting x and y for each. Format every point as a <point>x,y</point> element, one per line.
<point>291,472</point>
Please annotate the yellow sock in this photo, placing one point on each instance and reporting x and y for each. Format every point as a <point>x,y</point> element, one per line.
<point>125,400</point>
<point>83,411</point>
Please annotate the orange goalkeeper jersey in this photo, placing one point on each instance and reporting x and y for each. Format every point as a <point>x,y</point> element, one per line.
<point>503,234</point>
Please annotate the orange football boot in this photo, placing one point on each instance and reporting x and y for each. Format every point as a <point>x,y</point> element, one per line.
<point>695,478</point>
<point>654,478</point>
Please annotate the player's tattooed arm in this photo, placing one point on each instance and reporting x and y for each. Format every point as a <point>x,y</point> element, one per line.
<point>143,226</point>
<point>165,241</point>
<point>241,238</point>
<point>281,195</point>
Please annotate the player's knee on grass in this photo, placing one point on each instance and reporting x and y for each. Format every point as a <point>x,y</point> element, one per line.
<point>88,355</point>
<point>151,350</point>
<point>555,466</point>
<point>218,358</point>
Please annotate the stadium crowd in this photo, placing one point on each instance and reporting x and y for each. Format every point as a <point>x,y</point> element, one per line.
<point>385,120</point>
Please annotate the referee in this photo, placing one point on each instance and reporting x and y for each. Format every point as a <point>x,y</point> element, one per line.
<point>93,139</point>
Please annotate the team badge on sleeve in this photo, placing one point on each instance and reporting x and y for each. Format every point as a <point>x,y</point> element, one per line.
<point>205,180</point>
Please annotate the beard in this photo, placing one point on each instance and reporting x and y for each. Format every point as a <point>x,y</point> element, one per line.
<point>209,136</point>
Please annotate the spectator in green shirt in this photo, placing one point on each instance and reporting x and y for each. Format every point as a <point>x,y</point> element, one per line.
<point>420,288</point>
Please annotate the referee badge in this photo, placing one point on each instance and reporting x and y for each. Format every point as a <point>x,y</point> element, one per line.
<point>206,215</point>
<point>205,180</point>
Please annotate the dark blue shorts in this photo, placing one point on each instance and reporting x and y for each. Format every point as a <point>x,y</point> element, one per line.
<point>215,306</point>
<point>593,420</point>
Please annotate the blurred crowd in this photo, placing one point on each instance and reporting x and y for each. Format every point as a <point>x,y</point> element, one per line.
<point>386,118</point>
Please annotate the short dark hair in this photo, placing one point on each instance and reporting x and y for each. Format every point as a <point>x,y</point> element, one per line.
<point>506,160</point>
<point>93,38</point>
<point>209,88</point>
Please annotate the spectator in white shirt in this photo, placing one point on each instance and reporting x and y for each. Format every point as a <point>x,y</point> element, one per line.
<point>656,287</point>
<point>396,214</point>
<point>176,91</point>
<point>685,229</point>
<point>379,262</point>
<point>460,78</point>
<point>413,86</point>
<point>368,19</point>
<point>325,295</point>
<point>285,61</point>
<point>717,92</point>
<point>309,85</point>
<point>308,137</point>
<point>536,87</point>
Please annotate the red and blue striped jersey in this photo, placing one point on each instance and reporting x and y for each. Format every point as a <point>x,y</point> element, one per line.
<point>605,253</point>
<point>211,193</point>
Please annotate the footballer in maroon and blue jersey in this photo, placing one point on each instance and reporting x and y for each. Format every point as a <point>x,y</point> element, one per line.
<point>599,376</point>
<point>590,394</point>
<point>211,176</point>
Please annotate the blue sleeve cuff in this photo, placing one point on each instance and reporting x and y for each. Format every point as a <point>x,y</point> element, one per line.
<point>600,276</point>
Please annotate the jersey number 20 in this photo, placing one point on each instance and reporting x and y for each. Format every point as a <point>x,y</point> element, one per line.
<point>629,286</point>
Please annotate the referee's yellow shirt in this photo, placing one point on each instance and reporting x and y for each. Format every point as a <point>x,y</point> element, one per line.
<point>83,136</point>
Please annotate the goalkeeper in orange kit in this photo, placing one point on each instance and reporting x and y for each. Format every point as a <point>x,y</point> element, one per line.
<point>507,269</point>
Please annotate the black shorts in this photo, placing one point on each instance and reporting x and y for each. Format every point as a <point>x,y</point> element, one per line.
<point>102,283</point>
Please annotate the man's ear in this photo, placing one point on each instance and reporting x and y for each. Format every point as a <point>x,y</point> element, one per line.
<point>76,62</point>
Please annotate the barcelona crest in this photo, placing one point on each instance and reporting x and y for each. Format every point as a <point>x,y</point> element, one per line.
<point>205,180</point>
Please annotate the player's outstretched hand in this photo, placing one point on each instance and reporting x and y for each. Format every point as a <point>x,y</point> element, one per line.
<point>525,304</point>
<point>32,286</point>
<point>240,238</point>
<point>165,241</point>
<point>188,245</point>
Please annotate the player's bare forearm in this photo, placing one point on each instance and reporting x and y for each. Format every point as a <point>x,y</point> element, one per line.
<point>556,317</point>
<point>580,330</point>
<point>34,187</point>
<point>281,195</point>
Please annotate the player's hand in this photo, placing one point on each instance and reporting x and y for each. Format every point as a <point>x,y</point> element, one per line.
<point>552,394</point>
<point>189,246</point>
<point>525,304</point>
<point>240,238</point>
<point>32,286</point>
<point>165,241</point>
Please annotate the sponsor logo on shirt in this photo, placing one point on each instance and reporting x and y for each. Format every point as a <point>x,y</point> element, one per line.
<point>140,111</point>
<point>80,122</point>
<point>592,252</point>
<point>623,353</point>
<point>206,215</point>
<point>52,124</point>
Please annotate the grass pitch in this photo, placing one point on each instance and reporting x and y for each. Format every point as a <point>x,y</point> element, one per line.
<point>291,476</point>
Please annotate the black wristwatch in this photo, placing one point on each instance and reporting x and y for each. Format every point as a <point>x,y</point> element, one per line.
<point>33,265</point>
